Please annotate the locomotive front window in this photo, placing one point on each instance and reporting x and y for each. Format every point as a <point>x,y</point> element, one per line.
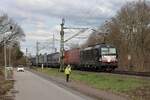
<point>112,50</point>
<point>105,51</point>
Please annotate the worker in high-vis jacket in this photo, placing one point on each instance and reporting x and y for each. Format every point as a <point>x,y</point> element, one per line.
<point>67,72</point>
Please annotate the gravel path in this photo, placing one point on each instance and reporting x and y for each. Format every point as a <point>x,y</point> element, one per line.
<point>33,87</point>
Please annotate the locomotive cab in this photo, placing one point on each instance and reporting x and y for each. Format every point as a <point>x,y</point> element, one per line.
<point>101,57</point>
<point>108,58</point>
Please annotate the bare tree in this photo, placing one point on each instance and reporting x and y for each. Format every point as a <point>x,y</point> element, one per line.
<point>10,33</point>
<point>9,30</point>
<point>96,37</point>
<point>129,31</point>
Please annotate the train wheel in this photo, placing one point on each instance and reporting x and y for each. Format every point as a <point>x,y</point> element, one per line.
<point>109,69</point>
<point>103,69</point>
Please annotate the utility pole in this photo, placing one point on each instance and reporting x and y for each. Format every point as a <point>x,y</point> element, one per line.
<point>5,58</point>
<point>53,43</point>
<point>37,53</point>
<point>9,56</point>
<point>62,41</point>
<point>26,56</point>
<point>62,46</point>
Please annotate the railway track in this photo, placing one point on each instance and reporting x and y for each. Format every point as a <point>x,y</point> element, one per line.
<point>143,74</point>
<point>121,72</point>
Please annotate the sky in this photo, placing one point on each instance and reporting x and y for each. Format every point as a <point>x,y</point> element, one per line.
<point>40,19</point>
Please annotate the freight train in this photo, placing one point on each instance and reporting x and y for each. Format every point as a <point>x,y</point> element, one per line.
<point>100,57</point>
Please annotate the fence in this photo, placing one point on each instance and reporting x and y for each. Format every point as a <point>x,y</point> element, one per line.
<point>9,73</point>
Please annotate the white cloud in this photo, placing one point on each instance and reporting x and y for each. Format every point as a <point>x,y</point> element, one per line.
<point>40,19</point>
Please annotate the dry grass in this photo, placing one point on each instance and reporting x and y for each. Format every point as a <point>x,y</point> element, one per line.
<point>5,85</point>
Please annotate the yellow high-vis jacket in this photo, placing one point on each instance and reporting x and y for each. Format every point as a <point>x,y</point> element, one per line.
<point>68,70</point>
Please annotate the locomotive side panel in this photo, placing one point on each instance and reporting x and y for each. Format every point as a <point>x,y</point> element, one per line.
<point>89,57</point>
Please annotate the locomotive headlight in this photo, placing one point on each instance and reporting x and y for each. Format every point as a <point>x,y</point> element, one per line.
<point>109,60</point>
<point>100,59</point>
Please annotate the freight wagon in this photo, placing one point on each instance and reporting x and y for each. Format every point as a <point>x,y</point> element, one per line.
<point>72,57</point>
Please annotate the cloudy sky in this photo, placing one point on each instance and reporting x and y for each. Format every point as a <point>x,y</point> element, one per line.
<point>40,19</point>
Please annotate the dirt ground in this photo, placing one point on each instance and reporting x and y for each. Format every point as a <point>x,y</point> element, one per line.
<point>5,86</point>
<point>142,93</point>
<point>2,92</point>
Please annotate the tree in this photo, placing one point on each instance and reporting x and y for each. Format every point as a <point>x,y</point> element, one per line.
<point>9,30</point>
<point>10,33</point>
<point>18,53</point>
<point>95,38</point>
<point>130,32</point>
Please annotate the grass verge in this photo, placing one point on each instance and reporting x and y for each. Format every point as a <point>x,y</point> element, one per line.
<point>5,85</point>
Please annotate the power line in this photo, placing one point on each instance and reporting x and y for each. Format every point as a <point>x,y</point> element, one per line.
<point>62,41</point>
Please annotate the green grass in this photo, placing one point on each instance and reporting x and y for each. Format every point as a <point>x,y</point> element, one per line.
<point>51,71</point>
<point>115,83</point>
<point>103,81</point>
